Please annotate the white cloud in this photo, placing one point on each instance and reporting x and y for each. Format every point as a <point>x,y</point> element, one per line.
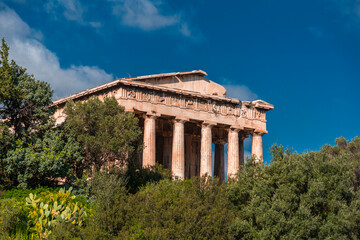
<point>71,9</point>
<point>146,15</point>
<point>241,92</point>
<point>29,52</point>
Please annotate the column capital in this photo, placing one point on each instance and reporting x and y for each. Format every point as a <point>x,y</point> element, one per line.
<point>234,129</point>
<point>239,128</point>
<point>207,124</point>
<point>258,133</point>
<point>180,120</point>
<point>152,115</point>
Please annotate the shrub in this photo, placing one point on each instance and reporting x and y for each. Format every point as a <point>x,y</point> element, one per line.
<point>300,196</point>
<point>111,198</point>
<point>13,217</point>
<point>139,177</point>
<point>19,194</point>
<point>189,209</point>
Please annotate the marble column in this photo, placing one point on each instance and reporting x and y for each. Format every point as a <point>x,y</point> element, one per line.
<point>178,150</point>
<point>233,152</point>
<point>219,170</point>
<point>206,150</point>
<point>149,154</point>
<point>257,148</point>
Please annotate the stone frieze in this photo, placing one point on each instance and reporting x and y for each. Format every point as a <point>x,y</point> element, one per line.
<point>195,103</point>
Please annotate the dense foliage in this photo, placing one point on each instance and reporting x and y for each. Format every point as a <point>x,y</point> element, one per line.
<point>314,195</point>
<point>24,101</point>
<point>32,152</point>
<point>44,161</point>
<point>107,133</point>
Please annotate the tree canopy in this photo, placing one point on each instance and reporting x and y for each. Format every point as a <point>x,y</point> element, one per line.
<point>33,152</point>
<point>24,101</point>
<point>104,129</point>
<point>314,195</point>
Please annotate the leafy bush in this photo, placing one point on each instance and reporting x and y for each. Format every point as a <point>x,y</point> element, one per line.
<point>314,195</point>
<point>189,209</point>
<point>19,194</point>
<point>111,198</point>
<point>139,177</point>
<point>42,162</point>
<point>13,217</point>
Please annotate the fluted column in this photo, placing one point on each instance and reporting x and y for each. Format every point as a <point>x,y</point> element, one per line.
<point>149,141</point>
<point>219,159</point>
<point>257,147</point>
<point>178,150</point>
<point>233,151</point>
<point>206,150</point>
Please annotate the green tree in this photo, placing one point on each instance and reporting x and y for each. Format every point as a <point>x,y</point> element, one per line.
<point>104,129</point>
<point>314,195</point>
<point>32,152</point>
<point>24,101</point>
<point>42,162</point>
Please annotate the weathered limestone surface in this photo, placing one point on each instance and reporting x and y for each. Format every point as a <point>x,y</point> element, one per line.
<point>183,114</point>
<point>233,151</point>
<point>257,149</point>
<point>206,150</point>
<point>149,141</point>
<point>178,152</point>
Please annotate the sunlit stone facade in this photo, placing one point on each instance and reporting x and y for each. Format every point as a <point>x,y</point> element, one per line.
<point>182,115</point>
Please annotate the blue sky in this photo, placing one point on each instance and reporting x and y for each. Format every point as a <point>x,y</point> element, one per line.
<point>302,56</point>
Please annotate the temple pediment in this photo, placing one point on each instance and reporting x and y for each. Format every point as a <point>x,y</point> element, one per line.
<point>191,81</point>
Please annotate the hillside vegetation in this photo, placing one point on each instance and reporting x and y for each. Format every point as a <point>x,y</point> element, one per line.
<point>82,180</point>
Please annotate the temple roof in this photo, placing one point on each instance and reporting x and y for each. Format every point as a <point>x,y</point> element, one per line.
<point>147,82</point>
<point>163,75</point>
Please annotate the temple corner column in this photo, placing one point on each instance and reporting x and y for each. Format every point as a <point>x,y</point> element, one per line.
<point>233,163</point>
<point>149,151</point>
<point>257,147</point>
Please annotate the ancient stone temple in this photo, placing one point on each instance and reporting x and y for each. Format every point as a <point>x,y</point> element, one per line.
<point>182,115</point>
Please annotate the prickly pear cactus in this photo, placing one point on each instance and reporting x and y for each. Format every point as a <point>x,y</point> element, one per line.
<point>60,207</point>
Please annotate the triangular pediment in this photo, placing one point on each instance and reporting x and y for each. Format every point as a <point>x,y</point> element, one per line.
<point>191,81</point>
